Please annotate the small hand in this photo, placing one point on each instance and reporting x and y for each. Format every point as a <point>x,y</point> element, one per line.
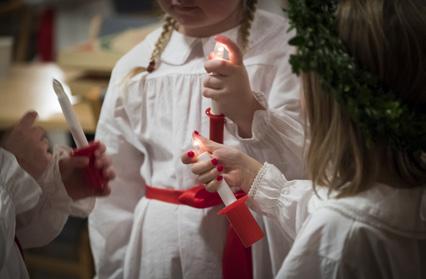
<point>29,144</point>
<point>229,86</point>
<point>73,174</point>
<point>238,169</point>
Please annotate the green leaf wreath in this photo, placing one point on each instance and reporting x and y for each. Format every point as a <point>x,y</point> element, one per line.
<point>379,112</point>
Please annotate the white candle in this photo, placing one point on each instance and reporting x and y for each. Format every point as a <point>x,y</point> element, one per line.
<point>220,52</point>
<point>223,190</point>
<point>73,123</point>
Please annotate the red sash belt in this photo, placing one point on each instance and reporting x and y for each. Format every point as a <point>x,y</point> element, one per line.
<point>236,259</point>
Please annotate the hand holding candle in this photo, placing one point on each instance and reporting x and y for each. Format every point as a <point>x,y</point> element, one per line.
<point>222,188</point>
<point>94,175</point>
<point>228,85</point>
<point>240,171</point>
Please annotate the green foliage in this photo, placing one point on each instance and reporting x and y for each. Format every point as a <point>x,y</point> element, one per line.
<point>378,111</point>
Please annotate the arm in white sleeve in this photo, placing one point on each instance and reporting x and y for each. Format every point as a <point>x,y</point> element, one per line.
<point>43,223</point>
<point>312,265</point>
<point>277,131</point>
<point>285,201</point>
<point>111,222</point>
<point>19,192</point>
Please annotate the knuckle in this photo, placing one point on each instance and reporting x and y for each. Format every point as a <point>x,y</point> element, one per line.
<point>211,187</point>
<point>194,169</point>
<point>206,93</point>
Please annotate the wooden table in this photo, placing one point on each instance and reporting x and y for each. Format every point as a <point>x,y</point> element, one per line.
<point>29,87</point>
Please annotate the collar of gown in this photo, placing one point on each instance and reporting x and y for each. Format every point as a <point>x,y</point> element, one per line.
<point>402,211</point>
<point>181,46</point>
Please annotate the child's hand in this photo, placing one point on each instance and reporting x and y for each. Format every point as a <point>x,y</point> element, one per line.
<point>74,179</point>
<point>237,168</point>
<point>228,84</point>
<point>29,145</point>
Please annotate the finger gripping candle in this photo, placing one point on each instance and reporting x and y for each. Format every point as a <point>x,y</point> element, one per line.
<point>236,211</point>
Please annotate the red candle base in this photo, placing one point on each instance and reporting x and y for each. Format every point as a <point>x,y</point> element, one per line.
<point>93,175</point>
<point>243,222</point>
<point>217,124</point>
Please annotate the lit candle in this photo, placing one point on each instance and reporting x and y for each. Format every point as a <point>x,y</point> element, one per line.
<point>236,211</point>
<point>223,190</point>
<point>220,52</point>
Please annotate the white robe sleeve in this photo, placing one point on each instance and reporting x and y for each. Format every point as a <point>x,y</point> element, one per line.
<point>317,250</point>
<point>285,201</point>
<point>18,192</point>
<point>292,204</point>
<point>43,223</point>
<point>111,222</point>
<point>314,266</point>
<point>277,131</point>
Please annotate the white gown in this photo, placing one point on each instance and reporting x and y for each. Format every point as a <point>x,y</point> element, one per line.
<point>34,214</point>
<point>147,123</point>
<point>380,233</point>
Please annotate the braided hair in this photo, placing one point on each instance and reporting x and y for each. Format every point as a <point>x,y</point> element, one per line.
<point>171,24</point>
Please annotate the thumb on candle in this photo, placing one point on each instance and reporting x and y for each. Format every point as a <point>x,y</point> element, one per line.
<point>189,157</point>
<point>235,54</point>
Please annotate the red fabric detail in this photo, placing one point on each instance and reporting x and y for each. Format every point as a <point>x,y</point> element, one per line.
<point>236,259</point>
<point>93,174</point>
<point>217,124</point>
<point>236,262</point>
<point>45,38</point>
<point>165,195</point>
<point>243,222</point>
<point>196,197</point>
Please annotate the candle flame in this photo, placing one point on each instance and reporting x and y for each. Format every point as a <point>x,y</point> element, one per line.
<point>198,145</point>
<point>220,52</point>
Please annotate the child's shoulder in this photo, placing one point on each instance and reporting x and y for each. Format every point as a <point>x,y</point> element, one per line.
<point>138,56</point>
<point>267,25</point>
<point>375,208</point>
<point>271,19</point>
<point>270,32</point>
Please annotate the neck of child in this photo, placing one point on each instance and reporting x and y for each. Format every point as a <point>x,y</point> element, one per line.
<point>390,178</point>
<point>230,22</point>
<point>388,174</point>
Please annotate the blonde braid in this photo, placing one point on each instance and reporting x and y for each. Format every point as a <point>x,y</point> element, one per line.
<point>248,17</point>
<point>160,45</point>
<point>163,40</point>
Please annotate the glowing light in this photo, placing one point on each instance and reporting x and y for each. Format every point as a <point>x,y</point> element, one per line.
<point>220,52</point>
<point>198,145</point>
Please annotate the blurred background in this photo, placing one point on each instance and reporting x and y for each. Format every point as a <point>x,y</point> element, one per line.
<point>77,42</point>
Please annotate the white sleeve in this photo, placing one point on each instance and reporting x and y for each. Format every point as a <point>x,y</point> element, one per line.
<point>319,249</point>
<point>111,222</point>
<point>43,223</point>
<point>278,131</point>
<point>285,201</point>
<point>311,265</point>
<point>18,192</point>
